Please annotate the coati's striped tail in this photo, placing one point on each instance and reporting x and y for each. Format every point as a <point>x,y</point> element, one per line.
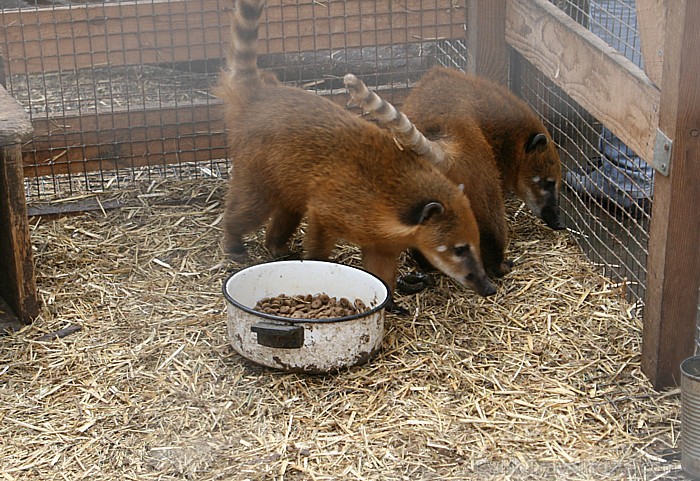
<point>396,122</point>
<point>243,54</point>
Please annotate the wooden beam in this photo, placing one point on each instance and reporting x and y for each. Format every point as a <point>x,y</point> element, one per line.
<point>157,135</point>
<point>595,75</point>
<point>487,51</point>
<point>17,283</point>
<point>651,21</point>
<point>161,31</point>
<point>673,267</point>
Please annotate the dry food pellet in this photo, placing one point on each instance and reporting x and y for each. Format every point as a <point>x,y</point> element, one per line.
<point>321,306</point>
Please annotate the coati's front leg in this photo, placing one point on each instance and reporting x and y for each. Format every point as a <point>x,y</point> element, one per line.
<point>244,212</point>
<point>493,256</point>
<point>282,226</point>
<point>318,242</point>
<point>384,264</point>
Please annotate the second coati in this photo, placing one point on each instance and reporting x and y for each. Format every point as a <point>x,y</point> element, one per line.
<point>524,151</point>
<point>459,150</point>
<point>297,155</point>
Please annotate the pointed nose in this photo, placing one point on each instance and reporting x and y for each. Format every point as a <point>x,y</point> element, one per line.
<point>551,217</point>
<point>485,288</point>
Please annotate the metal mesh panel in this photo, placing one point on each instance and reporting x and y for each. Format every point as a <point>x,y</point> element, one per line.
<point>120,91</point>
<point>608,196</point>
<point>111,87</point>
<point>613,237</point>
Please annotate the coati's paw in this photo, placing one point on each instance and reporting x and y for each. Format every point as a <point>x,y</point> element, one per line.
<point>395,308</point>
<point>282,252</point>
<point>414,282</point>
<point>237,254</point>
<point>504,268</point>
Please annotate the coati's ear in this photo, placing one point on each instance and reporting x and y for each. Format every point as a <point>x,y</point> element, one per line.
<point>536,141</point>
<point>422,212</point>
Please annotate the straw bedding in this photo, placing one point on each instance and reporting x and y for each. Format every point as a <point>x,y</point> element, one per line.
<point>541,381</point>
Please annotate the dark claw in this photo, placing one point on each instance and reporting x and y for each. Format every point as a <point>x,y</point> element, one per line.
<point>414,282</point>
<point>395,308</point>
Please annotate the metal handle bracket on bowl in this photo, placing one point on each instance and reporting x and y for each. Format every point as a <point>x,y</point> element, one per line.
<point>282,336</point>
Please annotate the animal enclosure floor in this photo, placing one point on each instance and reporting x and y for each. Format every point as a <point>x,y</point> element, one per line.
<point>541,381</point>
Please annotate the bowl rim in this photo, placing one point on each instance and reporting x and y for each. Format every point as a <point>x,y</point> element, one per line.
<point>290,320</point>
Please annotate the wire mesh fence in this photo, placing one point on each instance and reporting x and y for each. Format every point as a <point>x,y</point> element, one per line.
<point>120,92</point>
<point>609,189</point>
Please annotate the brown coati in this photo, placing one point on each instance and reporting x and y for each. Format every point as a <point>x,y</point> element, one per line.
<point>464,156</point>
<point>524,150</point>
<point>296,154</point>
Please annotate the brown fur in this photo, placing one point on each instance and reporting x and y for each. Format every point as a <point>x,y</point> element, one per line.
<point>472,165</point>
<point>509,126</point>
<point>298,155</point>
<point>462,153</point>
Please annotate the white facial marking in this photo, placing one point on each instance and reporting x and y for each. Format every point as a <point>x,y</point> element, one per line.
<point>447,269</point>
<point>536,179</point>
<point>441,248</point>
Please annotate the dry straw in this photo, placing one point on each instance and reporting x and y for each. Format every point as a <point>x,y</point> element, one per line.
<point>541,381</point>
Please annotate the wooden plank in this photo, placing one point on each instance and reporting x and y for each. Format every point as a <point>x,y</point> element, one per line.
<point>651,21</point>
<point>126,139</point>
<point>595,75</point>
<point>673,267</point>
<point>17,283</point>
<point>79,206</point>
<point>487,50</point>
<point>15,126</point>
<point>161,31</point>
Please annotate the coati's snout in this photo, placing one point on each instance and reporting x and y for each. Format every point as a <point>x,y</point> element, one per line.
<point>483,286</point>
<point>477,278</point>
<point>450,242</point>
<point>462,263</point>
<point>551,215</point>
<point>542,197</point>
<point>542,178</point>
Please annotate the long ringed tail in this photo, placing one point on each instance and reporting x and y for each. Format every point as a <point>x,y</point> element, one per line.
<point>243,53</point>
<point>405,132</point>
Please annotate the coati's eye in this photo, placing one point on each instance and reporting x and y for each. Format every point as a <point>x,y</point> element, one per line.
<point>461,251</point>
<point>548,184</point>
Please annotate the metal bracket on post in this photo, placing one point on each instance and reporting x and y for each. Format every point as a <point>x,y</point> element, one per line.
<point>662,153</point>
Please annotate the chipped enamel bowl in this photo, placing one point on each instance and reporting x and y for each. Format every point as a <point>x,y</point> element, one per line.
<point>305,345</point>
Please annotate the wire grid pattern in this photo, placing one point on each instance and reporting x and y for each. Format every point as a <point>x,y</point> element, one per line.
<point>607,209</point>
<point>614,235</point>
<point>106,84</point>
<point>613,238</point>
<point>120,91</point>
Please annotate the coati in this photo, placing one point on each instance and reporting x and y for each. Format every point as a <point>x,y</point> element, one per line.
<point>524,151</point>
<point>298,155</point>
<point>464,156</point>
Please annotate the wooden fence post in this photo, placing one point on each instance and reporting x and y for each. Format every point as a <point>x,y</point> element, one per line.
<point>17,283</point>
<point>487,50</point>
<point>673,267</point>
